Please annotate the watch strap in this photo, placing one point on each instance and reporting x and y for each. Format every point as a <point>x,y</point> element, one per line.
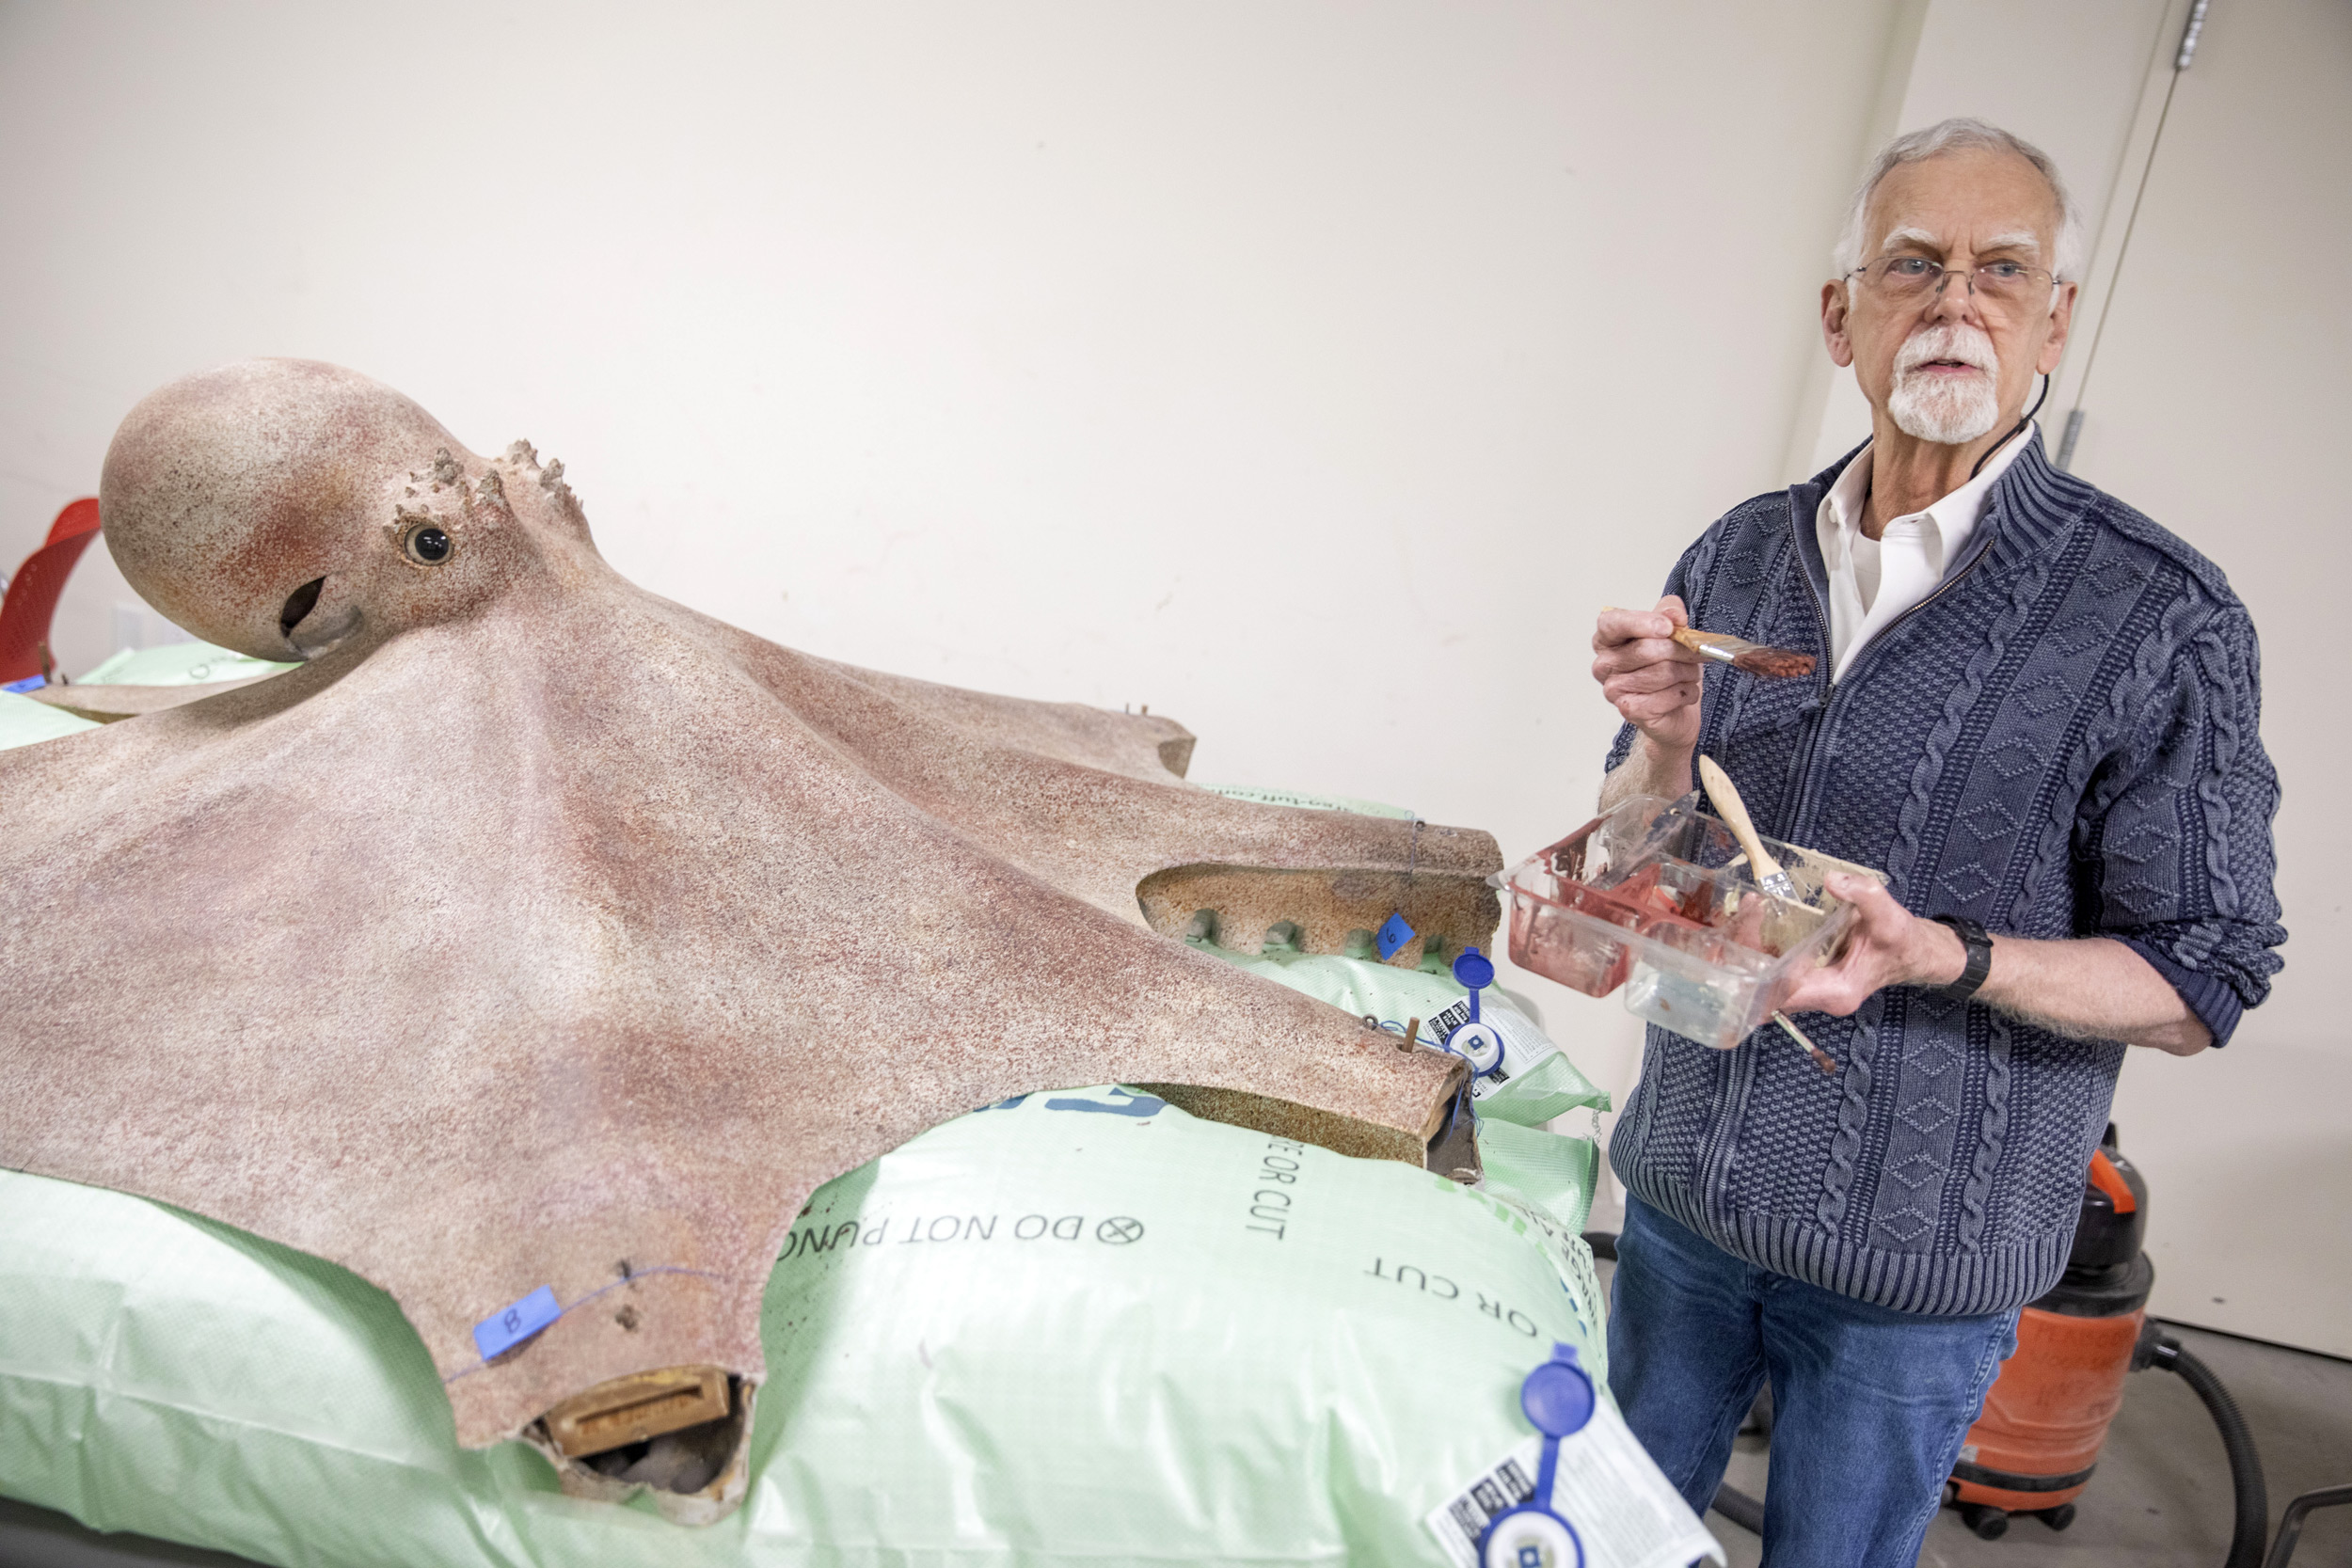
<point>1973,937</point>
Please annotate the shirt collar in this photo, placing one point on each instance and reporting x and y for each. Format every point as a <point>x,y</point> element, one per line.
<point>1951,518</point>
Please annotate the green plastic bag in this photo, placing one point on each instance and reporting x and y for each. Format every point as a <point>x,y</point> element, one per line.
<point>1535,1083</point>
<point>22,720</point>
<point>179,664</point>
<point>1084,1326</point>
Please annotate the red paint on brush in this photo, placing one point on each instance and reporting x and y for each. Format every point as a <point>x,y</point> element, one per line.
<point>1773,663</point>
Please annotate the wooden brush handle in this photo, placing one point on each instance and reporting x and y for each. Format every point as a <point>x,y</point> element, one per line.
<point>1719,646</point>
<point>1706,644</point>
<point>1734,811</point>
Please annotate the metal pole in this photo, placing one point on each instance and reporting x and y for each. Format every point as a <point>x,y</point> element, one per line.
<point>2188,37</point>
<point>2180,63</point>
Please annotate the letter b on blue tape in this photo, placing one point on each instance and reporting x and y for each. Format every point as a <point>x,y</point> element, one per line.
<point>503,1330</point>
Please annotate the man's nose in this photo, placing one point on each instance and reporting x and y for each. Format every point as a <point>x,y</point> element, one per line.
<point>1955,301</point>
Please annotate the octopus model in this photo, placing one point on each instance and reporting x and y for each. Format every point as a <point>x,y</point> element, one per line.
<point>540,932</point>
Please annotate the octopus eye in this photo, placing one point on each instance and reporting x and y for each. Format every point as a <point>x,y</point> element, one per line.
<point>427,545</point>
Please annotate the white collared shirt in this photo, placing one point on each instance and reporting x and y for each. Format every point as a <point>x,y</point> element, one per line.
<point>1872,581</point>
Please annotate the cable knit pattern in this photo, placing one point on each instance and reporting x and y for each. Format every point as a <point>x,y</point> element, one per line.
<point>2063,740</point>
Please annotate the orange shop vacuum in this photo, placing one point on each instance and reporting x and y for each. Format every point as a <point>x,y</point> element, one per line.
<point>2045,1418</point>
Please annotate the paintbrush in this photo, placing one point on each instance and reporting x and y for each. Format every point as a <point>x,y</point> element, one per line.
<point>1734,811</point>
<point>1821,1057</point>
<point>1756,658</point>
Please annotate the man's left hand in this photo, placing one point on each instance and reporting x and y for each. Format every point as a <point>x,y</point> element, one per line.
<point>1887,946</point>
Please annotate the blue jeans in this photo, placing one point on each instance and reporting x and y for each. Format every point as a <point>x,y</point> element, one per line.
<point>1870,1405</point>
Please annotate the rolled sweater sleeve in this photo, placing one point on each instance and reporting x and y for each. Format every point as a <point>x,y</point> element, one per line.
<point>2177,848</point>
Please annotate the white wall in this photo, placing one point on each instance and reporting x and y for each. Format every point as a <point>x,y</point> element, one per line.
<point>1308,372</point>
<point>2218,378</point>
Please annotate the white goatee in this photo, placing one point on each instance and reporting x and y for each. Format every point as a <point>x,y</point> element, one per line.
<point>1934,407</point>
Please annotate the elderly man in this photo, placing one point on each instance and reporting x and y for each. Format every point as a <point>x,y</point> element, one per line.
<point>2036,710</point>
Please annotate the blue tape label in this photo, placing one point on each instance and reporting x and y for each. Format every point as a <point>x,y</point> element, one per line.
<point>1393,934</point>
<point>500,1332</point>
<point>30,683</point>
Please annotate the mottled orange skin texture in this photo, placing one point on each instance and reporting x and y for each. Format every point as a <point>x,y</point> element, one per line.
<point>538,926</point>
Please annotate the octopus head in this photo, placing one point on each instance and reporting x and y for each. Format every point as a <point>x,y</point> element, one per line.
<point>280,507</point>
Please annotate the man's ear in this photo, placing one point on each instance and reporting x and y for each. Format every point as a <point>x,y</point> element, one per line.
<point>2061,323</point>
<point>1833,306</point>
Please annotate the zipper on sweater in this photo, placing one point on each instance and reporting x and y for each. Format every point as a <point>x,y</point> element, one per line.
<point>1825,690</point>
<point>1715,1158</point>
<point>1714,1163</point>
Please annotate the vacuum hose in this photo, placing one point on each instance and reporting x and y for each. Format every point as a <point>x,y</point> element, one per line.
<point>2245,1468</point>
<point>1741,1509</point>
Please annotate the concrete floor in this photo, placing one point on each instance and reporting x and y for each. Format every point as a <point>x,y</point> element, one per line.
<point>2161,1496</point>
<point>36,1538</point>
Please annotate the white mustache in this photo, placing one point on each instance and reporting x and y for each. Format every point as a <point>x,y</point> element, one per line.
<point>1955,340</point>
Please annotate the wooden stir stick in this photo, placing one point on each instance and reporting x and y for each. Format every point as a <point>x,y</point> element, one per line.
<point>1734,811</point>
<point>1769,875</point>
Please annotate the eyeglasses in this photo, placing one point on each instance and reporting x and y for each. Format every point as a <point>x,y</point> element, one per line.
<point>2001,285</point>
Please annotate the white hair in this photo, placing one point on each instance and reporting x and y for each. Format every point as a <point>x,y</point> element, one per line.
<point>1958,135</point>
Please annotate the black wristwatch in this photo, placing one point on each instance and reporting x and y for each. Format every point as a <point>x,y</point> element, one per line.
<point>1979,947</point>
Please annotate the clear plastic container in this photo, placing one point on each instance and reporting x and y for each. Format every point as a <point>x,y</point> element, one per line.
<point>1657,897</point>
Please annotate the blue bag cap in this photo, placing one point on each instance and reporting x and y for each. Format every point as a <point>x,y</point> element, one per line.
<point>1558,1396</point>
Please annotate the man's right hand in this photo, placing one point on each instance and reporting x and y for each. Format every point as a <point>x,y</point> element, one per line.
<point>1650,679</point>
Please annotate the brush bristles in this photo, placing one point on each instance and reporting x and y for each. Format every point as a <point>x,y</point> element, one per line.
<point>1773,663</point>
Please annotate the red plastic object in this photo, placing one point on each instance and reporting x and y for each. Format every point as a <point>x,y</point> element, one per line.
<point>1595,967</point>
<point>2109,1180</point>
<point>32,598</point>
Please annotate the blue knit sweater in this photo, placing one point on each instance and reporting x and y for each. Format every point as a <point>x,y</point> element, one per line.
<point>2060,741</point>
